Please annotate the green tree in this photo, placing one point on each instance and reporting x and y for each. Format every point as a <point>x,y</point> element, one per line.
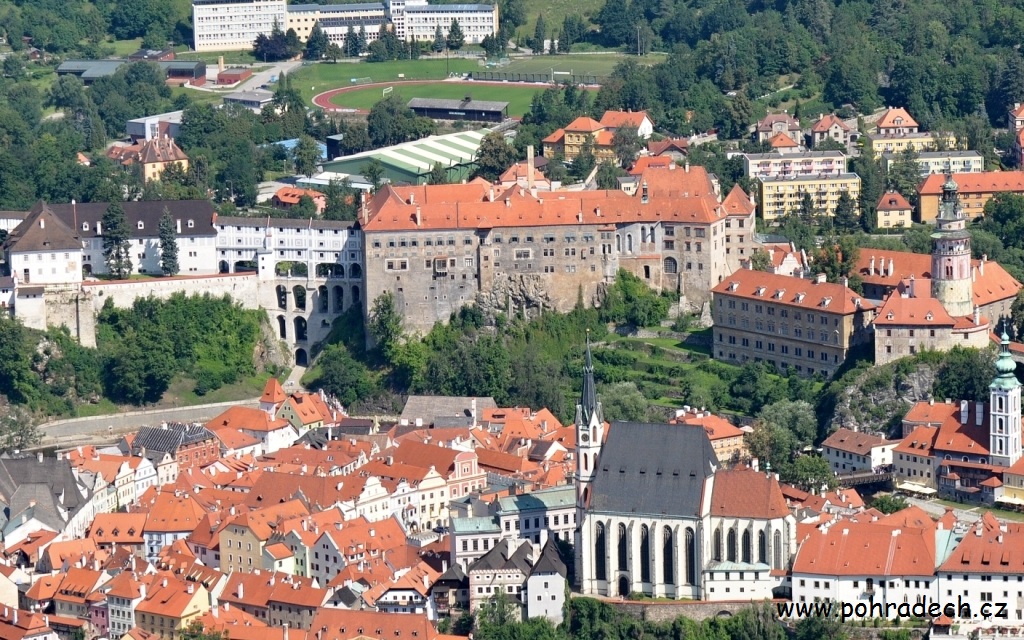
<point>494,156</point>
<point>342,202</point>
<point>584,162</point>
<point>361,41</point>
<point>317,43</point>
<point>344,377</point>
<point>437,175</point>
<point>333,52</point>
<point>965,374</point>
<point>905,174</point>
<point>304,210</point>
<point>1004,217</point>
<point>374,172</point>
<point>807,212</point>
<point>608,175</point>
<point>626,143</point>
<point>456,39</point>
<point>540,34</point>
<point>760,260</point>
<point>168,244</point>
<point>810,473</point>
<point>631,301</point>
<point>17,429</point>
<point>437,46</point>
<point>889,503</point>
<point>195,631</point>
<point>385,325</point>
<point>772,444</point>
<point>306,156</point>
<point>391,122</point>
<point>796,416</point>
<point>845,218</point>
<point>624,401</point>
<point>117,248</point>
<point>820,627</point>
<point>512,14</point>
<point>351,42</point>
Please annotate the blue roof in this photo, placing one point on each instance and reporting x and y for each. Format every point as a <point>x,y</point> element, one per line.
<point>291,144</point>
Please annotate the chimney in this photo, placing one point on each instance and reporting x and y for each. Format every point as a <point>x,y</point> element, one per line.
<point>508,202</point>
<point>191,588</point>
<point>979,413</point>
<point>977,315</point>
<point>284,631</point>
<point>142,591</point>
<point>227,606</point>
<point>99,228</point>
<point>241,590</point>
<point>963,412</point>
<point>412,198</point>
<point>820,278</point>
<point>42,223</point>
<point>981,265</point>
<point>892,268</point>
<point>755,464</point>
<point>419,218</point>
<point>845,281</point>
<point>529,167</point>
<point>912,286</point>
<point>871,266</point>
<point>643,192</point>
<point>163,583</point>
<point>214,612</point>
<point>39,457</point>
<point>15,620</point>
<point>363,213</point>
<point>490,195</point>
<point>686,166</point>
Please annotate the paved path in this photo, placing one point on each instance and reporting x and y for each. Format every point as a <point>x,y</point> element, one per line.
<point>293,382</point>
<point>76,430</point>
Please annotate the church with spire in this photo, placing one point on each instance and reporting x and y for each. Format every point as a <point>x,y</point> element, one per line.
<point>657,515</point>
<point>941,307</point>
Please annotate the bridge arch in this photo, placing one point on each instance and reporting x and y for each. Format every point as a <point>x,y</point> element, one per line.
<point>299,294</point>
<point>282,297</point>
<point>282,327</point>
<point>300,329</point>
<point>301,359</point>
<point>339,298</point>
<point>323,299</point>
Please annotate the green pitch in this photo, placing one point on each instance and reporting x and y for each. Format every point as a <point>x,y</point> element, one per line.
<point>517,96</point>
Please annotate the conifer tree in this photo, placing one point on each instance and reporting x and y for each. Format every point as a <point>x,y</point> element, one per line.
<point>168,245</point>
<point>117,240</point>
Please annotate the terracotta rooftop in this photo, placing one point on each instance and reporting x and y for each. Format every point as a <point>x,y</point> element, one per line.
<point>895,117</point>
<point>867,549</point>
<point>744,493</point>
<point>792,292</point>
<point>919,312</point>
<point>782,141</point>
<point>984,182</point>
<point>826,122</point>
<point>584,124</point>
<point>292,195</point>
<point>893,201</point>
<point>618,119</point>
<point>989,547</point>
<point>855,442</point>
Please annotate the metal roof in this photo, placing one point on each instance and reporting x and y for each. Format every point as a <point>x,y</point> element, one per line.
<point>336,8</point>
<point>419,156</point>
<point>442,8</point>
<point>467,105</point>
<point>538,500</point>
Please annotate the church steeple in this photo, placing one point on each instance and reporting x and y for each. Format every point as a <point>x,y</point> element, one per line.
<point>588,407</point>
<point>589,430</point>
<point>1004,398</point>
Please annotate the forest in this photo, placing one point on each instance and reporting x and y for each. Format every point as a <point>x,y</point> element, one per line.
<point>139,351</point>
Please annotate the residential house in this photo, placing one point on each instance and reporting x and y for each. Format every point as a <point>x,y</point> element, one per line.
<point>893,210</point>
<point>449,594</point>
<point>503,569</point>
<point>942,162</point>
<point>123,592</point>
<point>354,542</point>
<point>830,127</point>
<point>190,445</point>
<point>896,131</point>
<point>39,492</point>
<point>545,590</point>
<point>16,624</point>
<point>783,144</point>
<point>675,148</point>
<point>172,516</point>
<point>288,197</point>
<point>170,606</point>
<point>76,584</point>
<point>639,120</point>
<point>569,142</point>
<point>409,593</point>
<point>342,624</point>
<point>850,451</point>
<point>776,123</point>
<point>986,567</point>
<point>294,601</point>
<point>784,194</point>
<point>914,462</point>
<point>460,469</point>
<point>726,438</point>
<point>425,501</point>
<point>786,165</point>
<point>243,540</point>
<point>975,189</point>
<point>272,433</point>
<point>306,411</point>
<point>120,529</point>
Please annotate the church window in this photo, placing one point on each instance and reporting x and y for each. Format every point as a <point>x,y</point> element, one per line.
<point>691,557</point>
<point>623,546</point>
<point>586,463</point>
<point>600,552</point>
<point>777,550</point>
<point>645,554</point>
<point>668,575</point>
<point>762,552</point>
<point>730,546</point>
<point>717,552</point>
<point>746,553</point>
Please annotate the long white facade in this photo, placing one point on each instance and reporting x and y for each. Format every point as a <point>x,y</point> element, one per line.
<point>335,20</point>
<point>230,24</point>
<point>417,20</point>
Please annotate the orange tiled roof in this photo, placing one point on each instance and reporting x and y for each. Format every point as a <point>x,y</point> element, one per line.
<point>618,119</point>
<point>893,201</point>
<point>918,442</point>
<point>521,171</point>
<point>921,312</point>
<point>738,203</point>
<point>168,596</point>
<point>745,493</point>
<point>793,292</point>
<point>766,124</point>
<point>248,419</point>
<point>889,118</point>
<point>989,547</point>
<point>555,137</point>
<point>342,624</point>
<point>1018,111</point>
<point>174,513</point>
<point>782,141</point>
<point>646,162</point>
<point>867,549</point>
<point>119,528</point>
<point>716,427</point>
<point>656,148</point>
<point>292,195</point>
<point>272,392</point>
<point>856,442</point>
<point>826,122</point>
<point>584,124</point>
<point>953,436</point>
<point>263,522</point>
<point>984,182</point>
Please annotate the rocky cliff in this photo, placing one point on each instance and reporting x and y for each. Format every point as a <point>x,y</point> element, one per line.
<point>876,399</point>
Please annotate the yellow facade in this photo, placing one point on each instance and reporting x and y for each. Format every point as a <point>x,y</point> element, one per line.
<point>168,625</point>
<point>895,218</point>
<point>779,196</point>
<point>973,205</point>
<point>921,141</point>
<point>240,549</point>
<point>152,170</point>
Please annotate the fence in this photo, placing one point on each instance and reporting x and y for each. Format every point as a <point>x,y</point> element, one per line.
<point>504,76</point>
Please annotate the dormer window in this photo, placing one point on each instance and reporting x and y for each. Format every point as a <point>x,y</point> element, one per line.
<point>800,297</point>
<point>890,316</point>
<point>779,294</point>
<point>760,291</point>
<point>929,316</point>
<point>85,226</point>
<point>191,224</point>
<point>826,301</point>
<point>140,225</point>
<point>734,286</point>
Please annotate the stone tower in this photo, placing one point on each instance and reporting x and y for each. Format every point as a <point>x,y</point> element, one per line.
<point>1004,424</point>
<point>589,439</point>
<point>952,284</point>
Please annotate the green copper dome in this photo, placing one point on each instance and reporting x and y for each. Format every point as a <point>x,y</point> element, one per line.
<point>1005,367</point>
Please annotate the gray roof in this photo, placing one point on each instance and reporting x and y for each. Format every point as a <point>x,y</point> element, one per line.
<point>437,8</point>
<point>335,8</point>
<point>169,438</point>
<point>474,525</point>
<point>148,212</point>
<point>549,561</point>
<point>282,223</point>
<point>652,469</point>
<point>430,408</point>
<point>454,575</point>
<point>468,105</point>
<point>924,155</point>
<point>319,437</point>
<point>49,482</point>
<point>553,498</point>
<point>6,283</point>
<point>90,68</point>
<point>505,556</point>
<point>43,229</point>
<point>250,96</point>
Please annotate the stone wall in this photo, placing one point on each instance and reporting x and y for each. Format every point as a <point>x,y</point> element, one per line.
<point>668,611</point>
<point>244,288</point>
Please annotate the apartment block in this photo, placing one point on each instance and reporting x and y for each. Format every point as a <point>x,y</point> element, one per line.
<point>806,164</point>
<point>941,162</point>
<point>780,195</point>
<point>335,19</point>
<point>975,189</point>
<point>234,24</point>
<point>418,20</point>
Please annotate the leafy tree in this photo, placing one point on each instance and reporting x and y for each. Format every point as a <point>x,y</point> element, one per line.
<point>195,631</point>
<point>306,155</point>
<point>631,301</point>
<point>437,46</point>
<point>279,45</point>
<point>374,172</point>
<point>342,202</point>
<point>317,43</point>
<point>17,429</point>
<point>820,627</point>
<point>608,175</point>
<point>437,175</point>
<point>304,210</point>
<point>905,174</point>
<point>809,472</point>
<point>796,416</point>
<point>512,14</point>
<point>168,244</point>
<point>624,401</point>
<point>965,374</point>
<point>584,162</point>
<point>845,218</point>
<point>1004,217</point>
<point>136,18</point>
<point>456,39</point>
<point>760,260</point>
<point>343,376</point>
<point>385,325</point>
<point>773,445</point>
<point>494,156</point>
<point>392,122</point>
<point>117,248</point>
<point>333,51</point>
<point>626,144</point>
<point>889,503</point>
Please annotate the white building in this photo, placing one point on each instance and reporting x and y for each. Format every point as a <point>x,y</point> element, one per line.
<point>986,567</point>
<point>807,163</point>
<point>335,19</point>
<point>941,162</point>
<point>848,451</point>
<point>231,24</point>
<point>44,250</point>
<point>418,21</point>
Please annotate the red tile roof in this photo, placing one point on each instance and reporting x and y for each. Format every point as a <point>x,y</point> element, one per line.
<point>656,148</point>
<point>556,136</point>
<point>119,528</point>
<point>292,195</point>
<point>247,419</point>
<point>584,124</point>
<point>766,124</point>
<point>990,547</point>
<point>174,513</point>
<point>893,201</point>
<point>617,119</point>
<point>856,442</point>
<point>872,549</point>
<point>716,427</point>
<point>918,442</point>
<point>919,312</point>
<point>984,182</point>
<point>793,292</point>
<point>745,493</point>
<point>826,122</point>
<point>782,141</point>
<point>340,624</point>
<point>738,203</point>
<point>272,392</point>
<point>889,118</point>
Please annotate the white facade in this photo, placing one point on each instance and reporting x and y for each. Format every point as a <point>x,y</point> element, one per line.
<point>145,476</point>
<point>196,255</point>
<point>545,596</point>
<point>854,590</point>
<point>419,21</point>
<point>941,161</point>
<point>225,25</point>
<point>808,163</point>
<point>45,267</point>
<point>739,581</point>
<point>335,19</point>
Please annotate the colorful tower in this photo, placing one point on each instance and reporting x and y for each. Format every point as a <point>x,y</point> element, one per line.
<point>952,284</point>
<point>1004,396</point>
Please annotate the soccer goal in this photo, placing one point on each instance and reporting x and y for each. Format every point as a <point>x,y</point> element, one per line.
<point>386,91</point>
<point>361,80</point>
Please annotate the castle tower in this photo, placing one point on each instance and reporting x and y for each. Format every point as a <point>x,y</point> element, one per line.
<point>952,284</point>
<point>1004,423</point>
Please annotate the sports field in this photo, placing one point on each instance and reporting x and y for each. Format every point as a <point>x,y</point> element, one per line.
<point>517,96</point>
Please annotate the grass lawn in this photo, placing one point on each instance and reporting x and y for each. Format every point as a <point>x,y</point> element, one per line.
<point>999,513</point>
<point>211,57</point>
<point>518,97</point>
<point>199,97</point>
<point>555,11</point>
<point>124,48</point>
<point>599,64</point>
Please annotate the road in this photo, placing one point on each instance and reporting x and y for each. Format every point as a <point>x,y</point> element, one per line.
<point>263,77</point>
<point>936,509</point>
<point>77,430</point>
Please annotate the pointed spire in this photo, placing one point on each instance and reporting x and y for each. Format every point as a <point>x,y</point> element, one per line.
<point>588,406</point>
<point>1006,366</point>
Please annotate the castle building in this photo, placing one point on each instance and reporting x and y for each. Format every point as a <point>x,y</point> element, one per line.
<point>657,516</point>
